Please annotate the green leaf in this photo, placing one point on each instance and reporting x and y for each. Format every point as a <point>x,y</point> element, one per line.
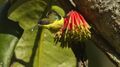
<point>7,45</point>
<point>9,34</point>
<point>27,12</point>
<point>16,64</point>
<point>49,54</point>
<point>24,47</point>
<point>2,2</point>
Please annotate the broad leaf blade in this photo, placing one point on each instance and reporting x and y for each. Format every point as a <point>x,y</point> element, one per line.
<point>9,34</point>
<point>28,12</point>
<point>24,47</point>
<point>49,54</point>
<point>2,2</point>
<point>7,45</point>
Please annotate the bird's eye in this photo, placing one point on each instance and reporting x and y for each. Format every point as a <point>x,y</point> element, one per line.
<point>56,17</point>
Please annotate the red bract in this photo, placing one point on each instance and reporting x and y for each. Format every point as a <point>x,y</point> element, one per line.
<point>74,21</point>
<point>75,28</point>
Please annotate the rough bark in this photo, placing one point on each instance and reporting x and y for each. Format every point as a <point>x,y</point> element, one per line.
<point>104,16</point>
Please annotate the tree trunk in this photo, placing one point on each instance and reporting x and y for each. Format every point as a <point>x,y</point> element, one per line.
<point>104,17</point>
